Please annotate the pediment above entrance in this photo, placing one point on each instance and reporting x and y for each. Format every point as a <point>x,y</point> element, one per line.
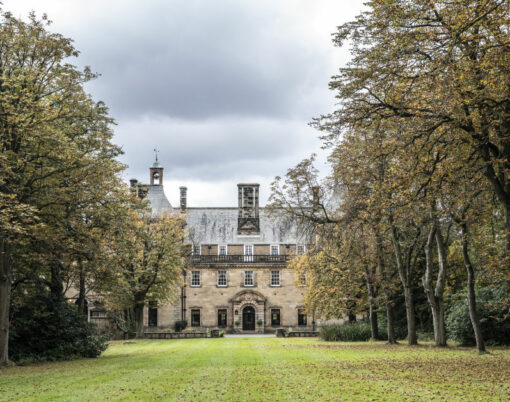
<point>248,296</point>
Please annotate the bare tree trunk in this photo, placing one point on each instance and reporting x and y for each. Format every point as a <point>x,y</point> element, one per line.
<point>5,300</point>
<point>138,310</point>
<point>471,296</point>
<point>56,282</point>
<point>386,289</point>
<point>435,295</point>
<point>412,338</point>
<point>351,316</point>
<point>439,289</point>
<point>374,330</point>
<point>390,324</point>
<point>506,205</point>
<point>81,294</point>
<point>372,313</point>
<point>403,271</point>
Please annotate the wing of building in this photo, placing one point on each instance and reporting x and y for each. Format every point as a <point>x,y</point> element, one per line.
<point>238,277</point>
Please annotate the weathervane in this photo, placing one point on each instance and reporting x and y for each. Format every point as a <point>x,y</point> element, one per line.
<point>156,151</point>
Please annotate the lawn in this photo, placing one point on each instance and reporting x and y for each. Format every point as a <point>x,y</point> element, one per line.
<point>265,369</point>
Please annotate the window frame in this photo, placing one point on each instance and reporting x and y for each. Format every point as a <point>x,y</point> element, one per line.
<point>152,314</point>
<point>195,311</point>
<point>273,323</point>
<point>279,273</point>
<point>98,314</point>
<point>218,278</point>
<point>194,284</point>
<point>220,246</point>
<point>249,257</point>
<point>196,250</point>
<point>277,246</point>
<point>302,317</point>
<point>220,321</point>
<point>252,279</point>
<point>297,249</point>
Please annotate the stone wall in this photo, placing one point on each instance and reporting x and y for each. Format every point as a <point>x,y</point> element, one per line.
<point>209,298</point>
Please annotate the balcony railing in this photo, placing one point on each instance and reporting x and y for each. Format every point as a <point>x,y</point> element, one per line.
<point>239,259</point>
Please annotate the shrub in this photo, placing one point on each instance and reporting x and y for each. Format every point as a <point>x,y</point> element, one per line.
<point>494,322</point>
<point>400,332</point>
<point>259,322</point>
<point>180,325</point>
<point>45,329</point>
<point>222,334</point>
<point>125,321</point>
<point>346,332</point>
<point>237,322</point>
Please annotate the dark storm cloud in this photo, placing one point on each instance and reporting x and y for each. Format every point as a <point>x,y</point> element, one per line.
<point>225,88</point>
<point>201,59</point>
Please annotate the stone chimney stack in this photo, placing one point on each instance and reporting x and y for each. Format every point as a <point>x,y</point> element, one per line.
<point>248,222</point>
<point>183,198</point>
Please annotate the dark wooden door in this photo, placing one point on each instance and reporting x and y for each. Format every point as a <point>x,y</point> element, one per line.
<point>248,319</point>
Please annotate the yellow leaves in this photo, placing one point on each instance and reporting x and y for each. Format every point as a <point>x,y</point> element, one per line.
<point>151,256</point>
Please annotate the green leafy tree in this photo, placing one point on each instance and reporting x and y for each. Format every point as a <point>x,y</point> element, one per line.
<point>57,159</point>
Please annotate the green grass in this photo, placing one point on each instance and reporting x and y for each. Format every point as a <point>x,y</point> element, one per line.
<point>265,369</point>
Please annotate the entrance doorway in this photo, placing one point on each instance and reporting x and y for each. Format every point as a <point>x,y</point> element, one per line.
<point>248,318</point>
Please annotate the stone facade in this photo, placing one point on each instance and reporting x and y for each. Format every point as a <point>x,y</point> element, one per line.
<point>238,277</point>
<point>213,300</point>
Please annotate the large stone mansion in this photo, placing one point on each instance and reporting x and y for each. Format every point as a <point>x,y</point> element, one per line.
<point>238,277</point>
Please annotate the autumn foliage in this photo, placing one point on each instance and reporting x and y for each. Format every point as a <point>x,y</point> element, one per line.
<point>419,155</point>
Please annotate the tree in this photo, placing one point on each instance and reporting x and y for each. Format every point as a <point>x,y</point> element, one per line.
<point>376,178</point>
<point>431,75</point>
<point>57,158</point>
<point>432,68</point>
<point>148,254</point>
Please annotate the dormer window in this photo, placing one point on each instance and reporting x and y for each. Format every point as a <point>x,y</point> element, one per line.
<point>275,250</point>
<point>248,252</point>
<point>222,250</point>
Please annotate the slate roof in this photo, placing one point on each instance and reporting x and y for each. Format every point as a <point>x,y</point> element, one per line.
<point>158,201</point>
<point>219,225</point>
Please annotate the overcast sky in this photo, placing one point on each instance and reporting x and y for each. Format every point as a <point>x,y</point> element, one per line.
<point>225,89</point>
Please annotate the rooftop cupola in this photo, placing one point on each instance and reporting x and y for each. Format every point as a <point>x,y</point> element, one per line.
<point>155,194</point>
<point>156,172</point>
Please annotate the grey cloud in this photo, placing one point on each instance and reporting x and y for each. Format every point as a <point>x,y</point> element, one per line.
<point>200,59</point>
<point>223,88</point>
<point>217,149</point>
